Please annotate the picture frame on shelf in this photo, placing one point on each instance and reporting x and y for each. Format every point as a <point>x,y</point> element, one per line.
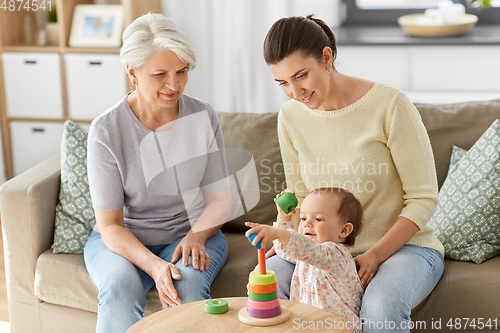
<point>97,26</point>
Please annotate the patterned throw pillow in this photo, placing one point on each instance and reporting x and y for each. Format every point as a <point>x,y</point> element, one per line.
<point>456,155</point>
<point>467,218</point>
<point>74,213</point>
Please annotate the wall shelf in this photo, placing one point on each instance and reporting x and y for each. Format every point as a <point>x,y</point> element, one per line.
<point>12,40</point>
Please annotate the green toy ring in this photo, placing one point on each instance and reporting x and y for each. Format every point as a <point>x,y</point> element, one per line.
<point>262,297</point>
<point>287,202</point>
<point>216,306</point>
<point>262,279</point>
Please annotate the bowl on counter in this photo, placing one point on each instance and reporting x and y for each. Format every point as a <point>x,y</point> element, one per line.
<point>461,26</point>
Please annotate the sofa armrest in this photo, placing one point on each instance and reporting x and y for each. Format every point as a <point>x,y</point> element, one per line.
<point>27,208</point>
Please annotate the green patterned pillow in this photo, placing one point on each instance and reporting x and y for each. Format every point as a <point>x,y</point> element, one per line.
<point>456,155</point>
<point>467,218</point>
<point>74,213</point>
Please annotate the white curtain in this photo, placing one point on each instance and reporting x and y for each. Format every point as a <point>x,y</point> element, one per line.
<point>228,36</point>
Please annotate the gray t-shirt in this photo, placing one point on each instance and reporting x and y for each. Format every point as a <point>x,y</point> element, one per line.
<point>156,177</point>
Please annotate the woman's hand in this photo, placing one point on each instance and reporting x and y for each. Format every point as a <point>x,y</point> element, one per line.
<point>163,273</point>
<point>193,244</point>
<point>397,236</point>
<point>367,265</point>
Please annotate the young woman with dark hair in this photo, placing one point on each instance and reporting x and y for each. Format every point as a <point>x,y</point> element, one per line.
<point>343,131</point>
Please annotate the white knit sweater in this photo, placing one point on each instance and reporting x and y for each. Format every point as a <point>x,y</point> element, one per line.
<point>377,148</point>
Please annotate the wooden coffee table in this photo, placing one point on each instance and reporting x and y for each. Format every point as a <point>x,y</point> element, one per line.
<point>192,318</point>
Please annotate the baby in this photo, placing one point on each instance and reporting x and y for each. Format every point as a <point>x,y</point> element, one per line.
<point>325,273</point>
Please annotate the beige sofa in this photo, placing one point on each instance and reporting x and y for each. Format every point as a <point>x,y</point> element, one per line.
<point>53,292</point>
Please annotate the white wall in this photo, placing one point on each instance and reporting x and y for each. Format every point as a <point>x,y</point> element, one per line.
<point>232,76</point>
<point>228,36</point>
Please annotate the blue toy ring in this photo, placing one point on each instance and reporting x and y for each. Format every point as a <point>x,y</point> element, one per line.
<point>252,237</point>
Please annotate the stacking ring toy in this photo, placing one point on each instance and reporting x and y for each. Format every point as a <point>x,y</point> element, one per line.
<point>287,202</point>
<point>216,306</point>
<point>262,279</point>
<point>263,305</point>
<point>262,297</point>
<point>263,289</point>
<point>264,313</point>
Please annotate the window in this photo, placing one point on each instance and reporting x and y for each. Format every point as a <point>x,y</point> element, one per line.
<point>388,4</point>
<point>361,12</point>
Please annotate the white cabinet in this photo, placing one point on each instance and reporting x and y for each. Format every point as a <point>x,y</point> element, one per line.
<point>459,68</point>
<point>33,84</point>
<point>94,82</point>
<point>429,74</point>
<point>32,142</point>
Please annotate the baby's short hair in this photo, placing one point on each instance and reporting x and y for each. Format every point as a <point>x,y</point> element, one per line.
<point>350,209</point>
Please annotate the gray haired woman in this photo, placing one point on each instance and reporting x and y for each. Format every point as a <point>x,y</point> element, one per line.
<point>158,181</point>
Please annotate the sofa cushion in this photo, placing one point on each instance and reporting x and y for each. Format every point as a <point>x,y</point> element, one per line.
<point>62,279</point>
<point>257,133</point>
<point>242,259</point>
<point>74,213</point>
<point>459,124</point>
<point>467,218</point>
<point>466,290</point>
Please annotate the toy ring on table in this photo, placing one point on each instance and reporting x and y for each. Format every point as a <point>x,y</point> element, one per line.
<point>216,306</point>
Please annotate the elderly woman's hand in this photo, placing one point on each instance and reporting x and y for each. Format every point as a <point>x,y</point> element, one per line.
<point>193,244</point>
<point>163,273</point>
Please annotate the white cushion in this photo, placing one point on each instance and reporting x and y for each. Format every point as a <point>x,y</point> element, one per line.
<point>63,279</point>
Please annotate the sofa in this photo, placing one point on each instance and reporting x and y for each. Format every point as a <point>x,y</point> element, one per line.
<point>50,292</point>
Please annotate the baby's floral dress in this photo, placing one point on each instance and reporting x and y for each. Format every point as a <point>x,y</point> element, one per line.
<point>325,276</point>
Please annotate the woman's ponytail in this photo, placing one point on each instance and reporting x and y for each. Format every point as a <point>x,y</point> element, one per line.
<point>326,29</point>
<point>306,34</point>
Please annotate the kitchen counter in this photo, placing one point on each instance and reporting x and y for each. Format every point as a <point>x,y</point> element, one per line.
<point>395,35</point>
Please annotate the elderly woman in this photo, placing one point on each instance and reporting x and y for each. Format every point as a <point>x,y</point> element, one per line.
<point>158,181</point>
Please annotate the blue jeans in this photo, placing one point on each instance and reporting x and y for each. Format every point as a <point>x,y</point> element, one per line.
<point>123,286</point>
<point>401,283</point>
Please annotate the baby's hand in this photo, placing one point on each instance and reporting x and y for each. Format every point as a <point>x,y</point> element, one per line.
<point>266,233</point>
<point>281,213</point>
<point>263,233</point>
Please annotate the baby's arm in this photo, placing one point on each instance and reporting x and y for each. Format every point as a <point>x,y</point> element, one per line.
<point>327,256</point>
